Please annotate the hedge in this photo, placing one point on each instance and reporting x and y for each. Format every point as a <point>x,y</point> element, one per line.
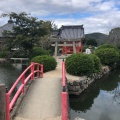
<point>49,63</point>
<point>108,56</point>
<point>97,63</point>
<point>79,64</point>
<point>37,51</point>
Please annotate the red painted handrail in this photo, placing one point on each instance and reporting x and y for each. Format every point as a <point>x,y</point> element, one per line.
<point>35,68</point>
<point>64,94</point>
<point>63,74</point>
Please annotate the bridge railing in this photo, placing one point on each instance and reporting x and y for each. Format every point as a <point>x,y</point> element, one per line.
<point>64,94</point>
<point>34,68</point>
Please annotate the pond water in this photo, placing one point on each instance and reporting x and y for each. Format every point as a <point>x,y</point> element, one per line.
<point>9,73</point>
<point>101,101</point>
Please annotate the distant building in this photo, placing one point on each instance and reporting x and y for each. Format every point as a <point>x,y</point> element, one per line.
<point>88,51</point>
<point>6,27</point>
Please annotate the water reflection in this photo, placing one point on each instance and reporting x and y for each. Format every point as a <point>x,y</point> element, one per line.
<point>9,73</point>
<point>101,101</point>
<point>86,99</point>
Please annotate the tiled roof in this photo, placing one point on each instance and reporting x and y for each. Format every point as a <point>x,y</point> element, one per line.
<point>71,32</point>
<point>7,27</point>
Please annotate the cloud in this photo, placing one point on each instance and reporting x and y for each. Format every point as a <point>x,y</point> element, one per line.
<point>99,23</point>
<point>95,15</point>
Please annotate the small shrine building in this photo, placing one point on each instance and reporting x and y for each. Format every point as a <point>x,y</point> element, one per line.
<point>69,38</point>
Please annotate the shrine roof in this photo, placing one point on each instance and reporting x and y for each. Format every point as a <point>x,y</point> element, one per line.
<point>6,27</point>
<point>71,32</point>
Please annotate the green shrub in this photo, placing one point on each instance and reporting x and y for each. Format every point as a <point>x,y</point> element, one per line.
<point>107,46</point>
<point>48,62</point>
<point>97,63</point>
<point>108,56</point>
<point>3,54</point>
<point>84,48</point>
<point>19,54</point>
<point>118,63</point>
<point>49,52</point>
<point>79,64</point>
<point>36,51</point>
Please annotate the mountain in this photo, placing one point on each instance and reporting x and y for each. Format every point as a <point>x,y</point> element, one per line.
<point>99,37</point>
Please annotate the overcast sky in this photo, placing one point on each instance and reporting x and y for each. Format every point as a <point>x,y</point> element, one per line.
<point>95,15</point>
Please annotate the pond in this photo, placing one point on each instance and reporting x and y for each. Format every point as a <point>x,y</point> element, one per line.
<point>101,101</point>
<point>9,73</point>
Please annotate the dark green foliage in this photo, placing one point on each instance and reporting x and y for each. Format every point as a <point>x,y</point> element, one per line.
<point>107,46</point>
<point>37,51</point>
<point>83,41</point>
<point>84,48</point>
<point>108,56</point>
<point>27,31</point>
<point>118,63</point>
<point>19,54</point>
<point>79,64</point>
<point>52,48</point>
<point>97,63</point>
<point>3,54</point>
<point>48,62</point>
<point>49,52</point>
<point>92,42</point>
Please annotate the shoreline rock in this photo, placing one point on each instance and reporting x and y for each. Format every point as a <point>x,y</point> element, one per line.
<point>75,87</point>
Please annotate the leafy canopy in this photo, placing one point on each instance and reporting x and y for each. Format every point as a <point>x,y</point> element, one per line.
<point>27,30</point>
<point>92,42</point>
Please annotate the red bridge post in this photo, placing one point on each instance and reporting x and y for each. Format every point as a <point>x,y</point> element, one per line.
<point>32,71</point>
<point>7,106</point>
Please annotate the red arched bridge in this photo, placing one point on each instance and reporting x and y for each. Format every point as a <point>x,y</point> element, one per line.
<point>46,98</point>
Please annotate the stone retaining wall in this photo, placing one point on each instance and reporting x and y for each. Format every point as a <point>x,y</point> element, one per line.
<point>78,86</point>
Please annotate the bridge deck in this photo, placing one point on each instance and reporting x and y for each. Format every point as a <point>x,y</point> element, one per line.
<point>43,100</point>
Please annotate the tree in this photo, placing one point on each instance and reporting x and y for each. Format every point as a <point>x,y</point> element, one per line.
<point>27,31</point>
<point>92,42</point>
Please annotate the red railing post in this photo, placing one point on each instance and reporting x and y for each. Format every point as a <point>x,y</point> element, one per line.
<point>64,106</point>
<point>64,94</point>
<point>32,70</point>
<point>41,71</point>
<point>38,70</point>
<point>23,82</point>
<point>7,106</point>
<point>63,74</point>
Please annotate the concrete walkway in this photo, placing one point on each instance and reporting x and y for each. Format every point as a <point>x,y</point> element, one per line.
<point>43,100</point>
